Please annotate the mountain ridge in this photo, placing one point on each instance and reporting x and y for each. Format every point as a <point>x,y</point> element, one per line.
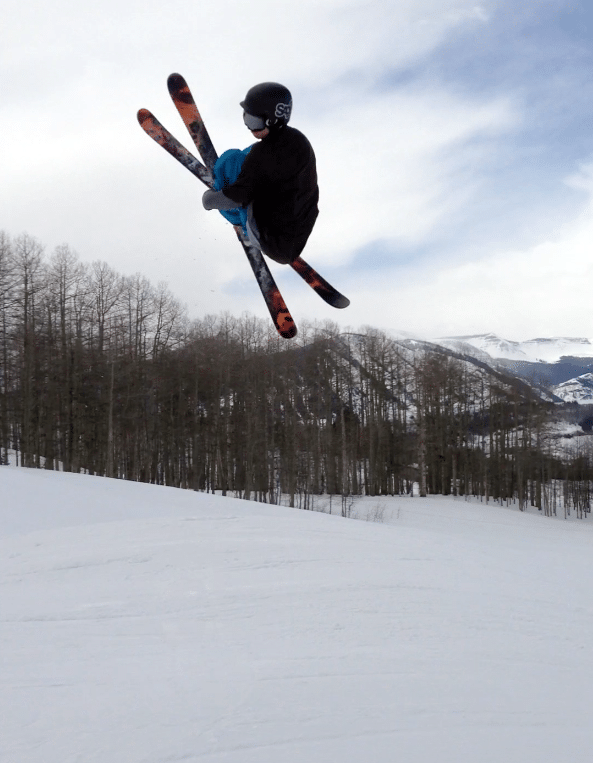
<point>537,350</point>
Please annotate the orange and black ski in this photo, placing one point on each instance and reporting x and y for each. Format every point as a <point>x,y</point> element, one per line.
<point>184,101</point>
<point>277,307</point>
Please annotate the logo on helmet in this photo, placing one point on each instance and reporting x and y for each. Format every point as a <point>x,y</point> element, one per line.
<point>283,110</point>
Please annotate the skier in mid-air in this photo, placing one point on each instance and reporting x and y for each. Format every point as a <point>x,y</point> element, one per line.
<point>271,187</point>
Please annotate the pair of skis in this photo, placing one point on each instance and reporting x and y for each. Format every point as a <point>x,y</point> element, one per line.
<point>183,100</point>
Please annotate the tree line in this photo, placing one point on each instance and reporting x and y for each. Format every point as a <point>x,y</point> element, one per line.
<point>107,374</point>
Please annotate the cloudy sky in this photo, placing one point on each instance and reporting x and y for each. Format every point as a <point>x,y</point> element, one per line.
<point>454,144</point>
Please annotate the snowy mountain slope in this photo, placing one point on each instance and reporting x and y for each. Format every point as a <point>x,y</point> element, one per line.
<point>579,390</point>
<point>545,350</point>
<point>489,346</point>
<point>147,624</point>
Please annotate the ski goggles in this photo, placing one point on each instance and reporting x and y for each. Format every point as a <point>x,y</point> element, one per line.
<point>252,122</point>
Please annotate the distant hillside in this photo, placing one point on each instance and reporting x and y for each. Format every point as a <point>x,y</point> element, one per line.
<point>540,350</point>
<point>544,362</point>
<point>579,390</point>
<point>552,374</point>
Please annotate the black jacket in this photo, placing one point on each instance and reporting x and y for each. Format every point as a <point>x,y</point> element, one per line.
<point>279,176</point>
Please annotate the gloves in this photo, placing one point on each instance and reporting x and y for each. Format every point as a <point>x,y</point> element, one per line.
<point>217,200</point>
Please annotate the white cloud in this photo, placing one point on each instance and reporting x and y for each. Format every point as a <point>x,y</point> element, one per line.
<point>582,179</point>
<point>543,290</point>
<point>396,165</point>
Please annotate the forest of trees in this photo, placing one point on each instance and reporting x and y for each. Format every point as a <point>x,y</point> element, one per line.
<point>107,374</point>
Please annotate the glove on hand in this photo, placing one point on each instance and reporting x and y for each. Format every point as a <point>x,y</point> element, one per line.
<point>217,200</point>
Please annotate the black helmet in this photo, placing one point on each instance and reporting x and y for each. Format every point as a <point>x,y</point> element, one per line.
<point>271,101</point>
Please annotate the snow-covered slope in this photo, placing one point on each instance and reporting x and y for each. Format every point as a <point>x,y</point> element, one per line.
<point>547,350</point>
<point>144,624</point>
<point>579,390</point>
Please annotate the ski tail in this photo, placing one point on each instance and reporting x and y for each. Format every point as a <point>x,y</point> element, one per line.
<point>325,290</point>
<point>274,300</point>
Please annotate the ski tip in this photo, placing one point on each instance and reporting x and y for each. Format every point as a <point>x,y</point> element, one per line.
<point>288,332</point>
<point>143,115</point>
<point>175,82</point>
<point>283,319</point>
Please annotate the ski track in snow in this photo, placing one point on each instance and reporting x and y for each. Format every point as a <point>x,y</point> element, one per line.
<point>145,624</point>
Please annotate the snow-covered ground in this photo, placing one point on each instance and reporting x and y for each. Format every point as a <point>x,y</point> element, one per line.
<point>143,624</point>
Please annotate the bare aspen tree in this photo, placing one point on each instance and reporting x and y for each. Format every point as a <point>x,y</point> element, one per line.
<point>7,303</point>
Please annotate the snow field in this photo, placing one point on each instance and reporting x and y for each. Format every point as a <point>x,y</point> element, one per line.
<point>145,624</point>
